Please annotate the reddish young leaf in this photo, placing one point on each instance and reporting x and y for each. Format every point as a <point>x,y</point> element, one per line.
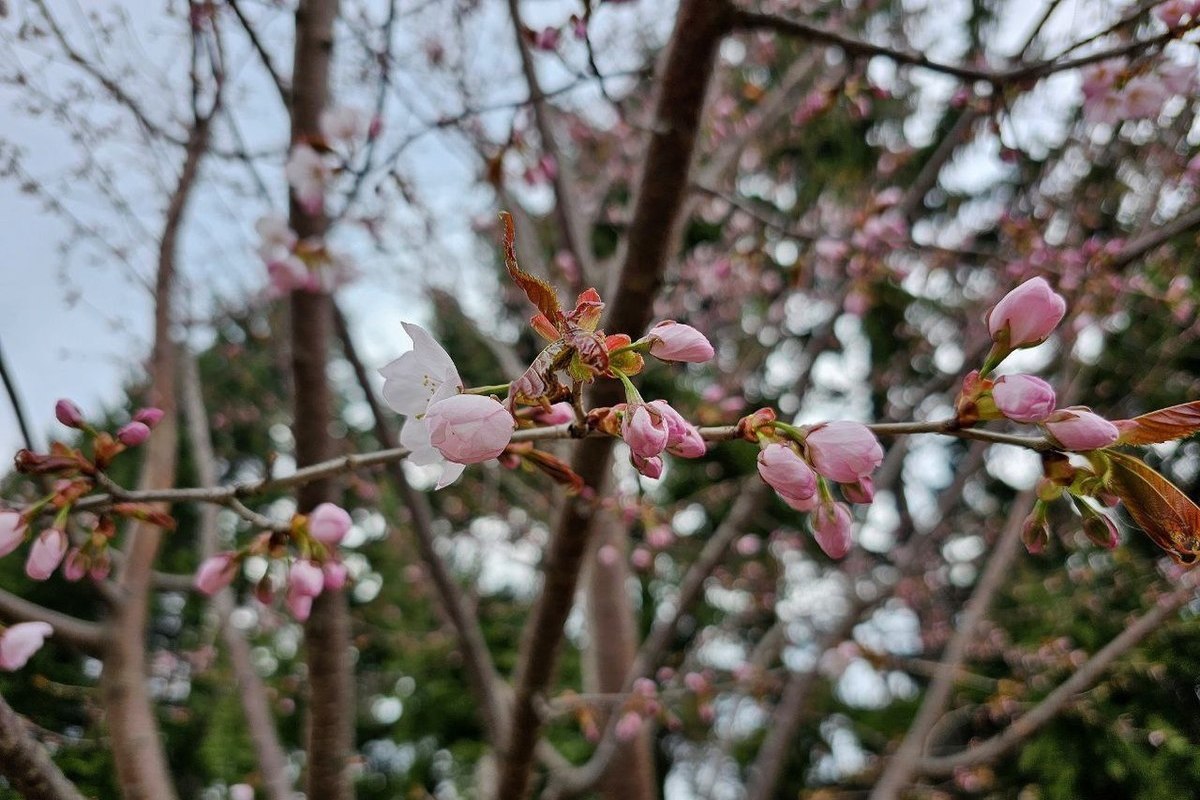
<point>540,293</point>
<point>1166,514</point>
<point>1164,425</point>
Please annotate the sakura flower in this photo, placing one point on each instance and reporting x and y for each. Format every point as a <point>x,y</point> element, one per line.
<point>413,382</point>
<point>286,275</point>
<point>558,414</point>
<point>1024,398</point>
<point>216,572</point>
<point>674,341</point>
<point>46,554</point>
<point>329,523</point>
<point>336,575</point>
<point>75,566</point>
<point>308,175</point>
<point>306,577</point>
<point>150,416</point>
<point>344,124</point>
<point>469,428</point>
<point>628,726</point>
<point>241,791</point>
<point>19,642</point>
<point>1077,428</point>
<point>650,467</point>
<point>1027,315</point>
<point>275,237</point>
<point>843,451</point>
<point>12,531</point>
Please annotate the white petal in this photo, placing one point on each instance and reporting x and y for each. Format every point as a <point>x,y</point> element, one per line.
<point>450,473</point>
<point>432,354</point>
<point>408,384</point>
<point>415,436</point>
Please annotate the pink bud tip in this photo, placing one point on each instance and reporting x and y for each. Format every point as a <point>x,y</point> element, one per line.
<point>68,414</point>
<point>149,416</point>
<point>329,524</point>
<point>674,341</point>
<point>46,554</point>
<point>469,428</point>
<point>831,528</point>
<point>133,434</point>
<point>12,531</point>
<point>1077,428</point>
<point>1027,315</point>
<point>216,573</point>
<point>19,642</point>
<point>786,472</point>
<point>844,452</point>
<point>1024,398</point>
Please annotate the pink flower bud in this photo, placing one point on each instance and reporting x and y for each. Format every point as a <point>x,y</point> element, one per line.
<point>75,566</point>
<point>683,438</point>
<point>469,428</point>
<point>299,604</point>
<point>1027,315</point>
<point>12,531</point>
<point>1024,398</point>
<point>644,431</point>
<point>650,467</point>
<point>1101,530</point>
<point>844,452</point>
<point>786,472</point>
<point>216,572</point>
<point>19,642</point>
<point>68,414</point>
<point>306,578</point>
<point>1077,428</point>
<point>861,493</point>
<point>335,575</point>
<point>46,554</point>
<point>559,414</point>
<point>674,341</point>
<point>628,726</point>
<point>831,529</point>
<point>133,434</point>
<point>329,524</point>
<point>241,791</point>
<point>149,416</point>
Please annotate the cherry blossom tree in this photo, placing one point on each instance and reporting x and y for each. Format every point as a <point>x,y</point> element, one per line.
<point>795,381</point>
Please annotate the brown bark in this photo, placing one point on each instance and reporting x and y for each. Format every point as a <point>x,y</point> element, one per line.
<point>26,765</point>
<point>330,724</point>
<point>141,762</point>
<point>653,236</point>
<point>612,646</point>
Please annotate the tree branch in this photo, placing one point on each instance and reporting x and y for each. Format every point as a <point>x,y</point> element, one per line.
<point>26,765</point>
<point>88,637</point>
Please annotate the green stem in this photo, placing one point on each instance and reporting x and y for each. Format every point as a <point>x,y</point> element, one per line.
<point>790,430</point>
<point>640,346</point>
<point>632,395</point>
<point>495,388</point>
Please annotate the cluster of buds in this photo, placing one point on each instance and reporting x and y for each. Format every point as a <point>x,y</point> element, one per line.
<point>309,545</point>
<point>75,473</point>
<point>314,161</point>
<point>800,463</point>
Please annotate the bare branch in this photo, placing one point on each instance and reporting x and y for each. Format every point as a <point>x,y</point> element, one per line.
<point>87,637</point>
<point>26,765</point>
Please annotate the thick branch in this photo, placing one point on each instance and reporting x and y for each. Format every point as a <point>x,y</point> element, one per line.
<point>86,636</point>
<point>26,765</point>
<point>652,239</point>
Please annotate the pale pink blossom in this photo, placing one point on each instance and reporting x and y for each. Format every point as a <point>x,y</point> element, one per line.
<point>1024,398</point>
<point>216,572</point>
<point>1027,315</point>
<point>308,175</point>
<point>329,523</point>
<point>133,434</point>
<point>831,528</point>
<point>786,472</point>
<point>306,577</point>
<point>12,531</point>
<point>19,642</point>
<point>1077,428</point>
<point>46,554</point>
<point>288,274</point>
<point>344,124</point>
<point>683,438</point>
<point>644,431</point>
<point>241,791</point>
<point>1143,97</point>
<point>413,382</point>
<point>68,414</point>
<point>469,428</point>
<point>299,604</point>
<point>843,451</point>
<point>547,39</point>
<point>674,341</point>
<point>276,239</point>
